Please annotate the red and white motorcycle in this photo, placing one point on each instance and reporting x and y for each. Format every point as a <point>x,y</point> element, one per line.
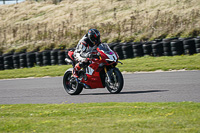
<point>101,72</point>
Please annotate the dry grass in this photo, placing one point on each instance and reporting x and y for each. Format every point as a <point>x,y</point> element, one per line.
<point>31,23</point>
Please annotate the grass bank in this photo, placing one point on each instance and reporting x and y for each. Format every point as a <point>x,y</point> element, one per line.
<point>46,25</point>
<point>147,63</point>
<point>101,117</point>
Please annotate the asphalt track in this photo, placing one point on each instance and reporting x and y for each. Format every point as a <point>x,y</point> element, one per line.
<point>138,87</point>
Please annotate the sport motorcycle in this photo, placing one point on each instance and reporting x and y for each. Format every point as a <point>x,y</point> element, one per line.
<point>99,72</point>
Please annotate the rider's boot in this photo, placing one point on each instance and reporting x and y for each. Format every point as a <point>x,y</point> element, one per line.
<point>76,69</point>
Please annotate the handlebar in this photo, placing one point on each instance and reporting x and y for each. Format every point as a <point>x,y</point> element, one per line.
<point>94,53</point>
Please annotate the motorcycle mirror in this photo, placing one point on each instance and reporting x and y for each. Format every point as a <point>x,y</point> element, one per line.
<point>120,62</point>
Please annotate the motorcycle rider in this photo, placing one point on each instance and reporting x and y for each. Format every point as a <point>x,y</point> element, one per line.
<point>86,44</point>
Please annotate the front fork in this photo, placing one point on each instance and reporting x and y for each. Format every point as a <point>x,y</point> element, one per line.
<point>109,75</point>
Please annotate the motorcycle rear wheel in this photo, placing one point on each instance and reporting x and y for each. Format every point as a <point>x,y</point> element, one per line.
<point>118,83</point>
<point>71,84</point>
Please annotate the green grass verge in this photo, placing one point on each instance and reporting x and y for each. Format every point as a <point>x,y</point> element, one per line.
<point>164,63</point>
<point>131,65</point>
<point>101,117</point>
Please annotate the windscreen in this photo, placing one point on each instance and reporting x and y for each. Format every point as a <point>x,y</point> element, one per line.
<point>105,48</point>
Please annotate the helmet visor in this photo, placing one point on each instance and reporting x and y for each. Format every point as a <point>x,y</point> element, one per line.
<point>96,40</point>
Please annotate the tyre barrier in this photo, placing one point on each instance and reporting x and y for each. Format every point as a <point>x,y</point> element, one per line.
<point>165,47</point>
<point>46,56</point>
<point>147,48</point>
<point>31,59</point>
<point>197,44</point>
<point>7,54</point>
<point>61,57</point>
<point>183,39</point>
<point>118,50</point>
<point>1,63</point>
<point>8,62</point>
<point>170,39</point>
<point>137,49</point>
<point>127,50</point>
<point>22,60</point>
<point>16,63</point>
<point>177,47</point>
<point>39,59</point>
<point>54,57</point>
<point>189,46</point>
<point>112,45</point>
<point>157,49</point>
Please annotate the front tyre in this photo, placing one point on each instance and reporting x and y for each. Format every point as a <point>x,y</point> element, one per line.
<point>117,83</point>
<point>70,84</point>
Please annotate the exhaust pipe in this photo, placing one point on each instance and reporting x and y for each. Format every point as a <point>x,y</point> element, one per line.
<point>68,60</point>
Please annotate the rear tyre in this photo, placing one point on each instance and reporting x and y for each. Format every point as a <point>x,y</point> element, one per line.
<point>70,84</point>
<point>118,82</point>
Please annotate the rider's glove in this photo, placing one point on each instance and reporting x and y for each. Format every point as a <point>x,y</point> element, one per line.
<point>98,54</point>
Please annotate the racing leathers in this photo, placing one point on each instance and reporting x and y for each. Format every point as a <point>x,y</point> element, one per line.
<point>82,52</point>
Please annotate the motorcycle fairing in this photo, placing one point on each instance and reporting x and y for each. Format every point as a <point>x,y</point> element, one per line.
<point>93,76</point>
<point>108,54</point>
<point>89,70</point>
<point>94,80</point>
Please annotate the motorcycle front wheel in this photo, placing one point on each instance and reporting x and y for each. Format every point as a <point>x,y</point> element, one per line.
<point>117,83</point>
<point>71,84</point>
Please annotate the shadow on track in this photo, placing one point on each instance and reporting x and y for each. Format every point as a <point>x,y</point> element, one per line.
<point>128,92</point>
